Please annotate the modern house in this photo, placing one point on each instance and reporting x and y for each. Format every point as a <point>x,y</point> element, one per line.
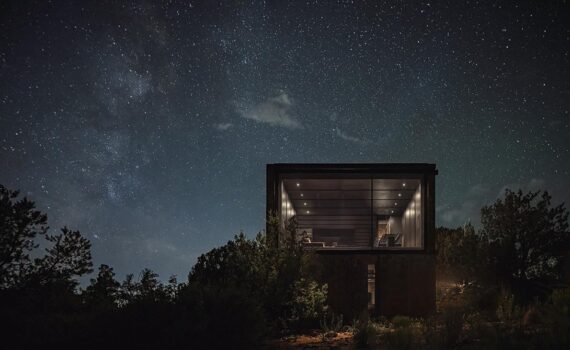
<point>373,227</point>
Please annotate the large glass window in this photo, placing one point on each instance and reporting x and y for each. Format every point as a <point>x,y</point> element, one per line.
<point>330,212</point>
<point>348,211</point>
<point>397,213</point>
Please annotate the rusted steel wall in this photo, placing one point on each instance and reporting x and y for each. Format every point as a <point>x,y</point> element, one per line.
<point>405,284</point>
<point>346,276</point>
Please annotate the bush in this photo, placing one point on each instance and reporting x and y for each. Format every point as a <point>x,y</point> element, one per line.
<point>476,325</point>
<point>561,300</point>
<point>401,322</point>
<point>223,316</point>
<point>333,325</point>
<point>431,338</point>
<point>452,326</point>
<point>365,333</point>
<point>403,335</point>
<point>329,329</point>
<point>308,304</point>
<point>274,276</point>
<point>400,339</point>
<point>527,238</point>
<point>555,318</point>
<point>507,311</point>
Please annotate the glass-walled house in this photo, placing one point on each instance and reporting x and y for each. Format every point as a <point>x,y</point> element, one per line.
<point>381,217</point>
<point>354,211</point>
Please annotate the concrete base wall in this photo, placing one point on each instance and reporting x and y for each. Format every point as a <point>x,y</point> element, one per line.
<point>405,284</point>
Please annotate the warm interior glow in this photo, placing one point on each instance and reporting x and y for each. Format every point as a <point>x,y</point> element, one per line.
<point>354,213</point>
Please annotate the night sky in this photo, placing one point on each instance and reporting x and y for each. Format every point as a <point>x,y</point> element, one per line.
<point>147,125</point>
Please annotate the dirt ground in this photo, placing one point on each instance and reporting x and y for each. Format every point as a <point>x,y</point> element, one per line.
<point>314,340</point>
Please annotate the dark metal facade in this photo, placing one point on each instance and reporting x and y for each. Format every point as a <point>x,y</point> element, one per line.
<point>405,278</point>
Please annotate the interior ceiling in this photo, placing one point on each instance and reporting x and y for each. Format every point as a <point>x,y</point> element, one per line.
<point>349,197</point>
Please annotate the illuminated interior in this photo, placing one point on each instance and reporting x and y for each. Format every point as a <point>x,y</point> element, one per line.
<point>343,212</point>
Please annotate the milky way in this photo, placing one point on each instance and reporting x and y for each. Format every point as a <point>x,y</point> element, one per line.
<point>147,125</point>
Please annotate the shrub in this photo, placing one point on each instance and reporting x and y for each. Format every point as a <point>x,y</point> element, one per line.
<point>526,236</point>
<point>333,325</point>
<point>555,318</point>
<point>507,311</point>
<point>330,328</point>
<point>274,276</point>
<point>308,304</point>
<point>476,325</point>
<point>403,335</point>
<point>365,333</point>
<point>222,316</point>
<point>452,326</point>
<point>401,322</point>
<point>561,300</point>
<point>431,338</point>
<point>400,339</point>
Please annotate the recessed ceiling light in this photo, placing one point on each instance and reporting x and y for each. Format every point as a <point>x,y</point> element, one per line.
<point>305,203</point>
<point>396,203</point>
<point>298,184</point>
<point>308,212</point>
<point>399,195</point>
<point>301,195</point>
<point>403,184</point>
<point>392,212</point>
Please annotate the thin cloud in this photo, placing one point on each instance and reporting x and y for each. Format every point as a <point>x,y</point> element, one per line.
<point>468,211</point>
<point>275,111</point>
<point>479,195</point>
<point>343,135</point>
<point>533,185</point>
<point>223,126</point>
<point>479,190</point>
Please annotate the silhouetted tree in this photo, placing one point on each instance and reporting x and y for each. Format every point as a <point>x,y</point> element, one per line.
<point>264,269</point>
<point>150,289</point>
<point>20,224</point>
<point>527,239</point>
<point>38,295</point>
<point>240,262</point>
<point>128,290</point>
<point>103,291</point>
<point>462,253</point>
<point>68,258</point>
<point>172,288</point>
<point>234,294</point>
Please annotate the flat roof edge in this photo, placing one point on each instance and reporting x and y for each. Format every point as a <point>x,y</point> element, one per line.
<point>423,167</point>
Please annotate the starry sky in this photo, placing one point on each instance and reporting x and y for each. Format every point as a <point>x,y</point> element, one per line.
<point>147,124</point>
